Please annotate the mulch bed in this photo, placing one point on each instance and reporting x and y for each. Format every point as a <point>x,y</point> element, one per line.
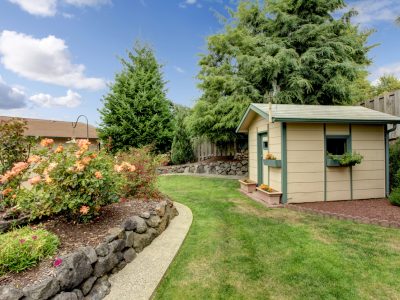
<point>372,211</point>
<point>72,236</point>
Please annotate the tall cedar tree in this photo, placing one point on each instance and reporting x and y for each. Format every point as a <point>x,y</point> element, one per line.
<point>136,110</point>
<point>182,148</point>
<point>295,45</point>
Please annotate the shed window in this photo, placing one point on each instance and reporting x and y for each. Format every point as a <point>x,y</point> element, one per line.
<point>337,145</point>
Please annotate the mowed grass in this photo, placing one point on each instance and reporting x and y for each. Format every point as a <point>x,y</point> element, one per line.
<point>238,249</point>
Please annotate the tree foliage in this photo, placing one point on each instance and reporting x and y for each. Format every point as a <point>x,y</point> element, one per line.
<point>14,146</point>
<point>182,148</point>
<point>295,47</point>
<point>136,110</point>
<point>387,83</point>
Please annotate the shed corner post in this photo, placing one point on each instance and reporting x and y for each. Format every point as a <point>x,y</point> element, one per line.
<point>387,174</point>
<point>284,162</point>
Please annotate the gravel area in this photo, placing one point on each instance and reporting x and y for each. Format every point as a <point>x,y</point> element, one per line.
<point>72,236</point>
<point>379,209</point>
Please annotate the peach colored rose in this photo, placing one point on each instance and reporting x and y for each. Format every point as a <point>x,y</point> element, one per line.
<point>34,159</point>
<point>59,149</point>
<point>98,175</point>
<point>84,210</point>
<point>46,142</point>
<point>35,180</point>
<point>6,191</point>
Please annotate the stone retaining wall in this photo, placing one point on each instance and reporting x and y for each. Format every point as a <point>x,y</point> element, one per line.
<point>84,274</point>
<point>231,167</point>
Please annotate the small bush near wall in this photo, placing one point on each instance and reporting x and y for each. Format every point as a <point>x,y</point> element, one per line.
<point>140,182</point>
<point>394,197</point>
<point>23,248</point>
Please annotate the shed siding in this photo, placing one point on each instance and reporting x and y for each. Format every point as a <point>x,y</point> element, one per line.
<point>369,176</point>
<point>275,147</point>
<point>338,185</point>
<point>305,162</point>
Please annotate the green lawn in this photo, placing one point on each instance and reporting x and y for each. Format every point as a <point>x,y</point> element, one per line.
<point>238,249</point>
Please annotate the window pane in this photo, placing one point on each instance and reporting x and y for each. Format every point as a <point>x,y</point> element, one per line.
<point>336,146</point>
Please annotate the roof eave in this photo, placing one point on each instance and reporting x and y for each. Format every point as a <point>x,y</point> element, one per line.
<point>343,121</point>
<point>250,108</point>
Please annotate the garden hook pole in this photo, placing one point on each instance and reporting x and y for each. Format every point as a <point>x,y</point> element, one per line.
<point>87,124</point>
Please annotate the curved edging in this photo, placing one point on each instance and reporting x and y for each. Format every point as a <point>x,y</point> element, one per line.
<point>140,278</point>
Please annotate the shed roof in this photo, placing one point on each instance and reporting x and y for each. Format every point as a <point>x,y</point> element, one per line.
<point>315,114</point>
<point>55,129</point>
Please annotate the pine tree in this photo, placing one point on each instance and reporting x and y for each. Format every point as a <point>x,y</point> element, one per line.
<point>136,110</point>
<point>296,46</point>
<point>182,148</point>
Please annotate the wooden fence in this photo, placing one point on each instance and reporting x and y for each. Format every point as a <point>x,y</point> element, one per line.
<point>388,103</point>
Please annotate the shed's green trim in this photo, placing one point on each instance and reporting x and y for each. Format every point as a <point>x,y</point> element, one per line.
<point>337,121</point>
<point>260,156</point>
<point>325,163</point>
<point>255,109</point>
<point>387,175</point>
<point>273,163</point>
<point>350,145</point>
<point>284,162</point>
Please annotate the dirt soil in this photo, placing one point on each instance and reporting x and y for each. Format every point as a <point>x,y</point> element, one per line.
<point>72,236</point>
<point>380,209</point>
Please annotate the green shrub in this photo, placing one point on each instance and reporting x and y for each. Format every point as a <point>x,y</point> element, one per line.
<point>74,181</point>
<point>182,148</point>
<point>394,196</point>
<point>141,181</point>
<point>394,164</point>
<point>23,248</point>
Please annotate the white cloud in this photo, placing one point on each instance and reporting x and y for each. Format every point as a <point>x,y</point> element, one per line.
<point>43,8</point>
<point>48,8</point>
<point>371,11</point>
<point>191,1</point>
<point>72,99</point>
<point>11,97</point>
<point>45,60</point>
<point>392,69</point>
<point>179,69</point>
<point>93,3</point>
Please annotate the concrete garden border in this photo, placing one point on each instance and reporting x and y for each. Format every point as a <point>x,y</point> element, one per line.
<point>84,273</point>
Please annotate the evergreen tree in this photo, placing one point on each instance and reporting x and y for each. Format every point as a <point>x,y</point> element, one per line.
<point>182,148</point>
<point>387,83</point>
<point>136,110</point>
<point>294,47</point>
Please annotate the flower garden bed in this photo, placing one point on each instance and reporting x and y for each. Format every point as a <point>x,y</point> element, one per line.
<point>89,252</point>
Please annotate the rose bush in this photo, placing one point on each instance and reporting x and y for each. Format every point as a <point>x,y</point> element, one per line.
<point>139,167</point>
<point>74,181</point>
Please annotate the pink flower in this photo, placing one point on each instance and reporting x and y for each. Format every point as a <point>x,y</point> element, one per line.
<point>21,241</point>
<point>34,237</point>
<point>57,262</point>
<point>35,180</point>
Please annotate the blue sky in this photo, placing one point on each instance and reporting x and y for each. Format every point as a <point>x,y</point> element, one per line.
<point>57,56</point>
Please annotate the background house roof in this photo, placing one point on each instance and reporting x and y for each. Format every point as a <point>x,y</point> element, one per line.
<point>55,129</point>
<point>316,114</point>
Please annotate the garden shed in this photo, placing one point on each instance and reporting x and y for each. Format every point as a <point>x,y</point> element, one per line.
<point>298,149</point>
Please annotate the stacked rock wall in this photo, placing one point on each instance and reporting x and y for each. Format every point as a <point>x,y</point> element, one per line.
<point>229,167</point>
<point>84,274</point>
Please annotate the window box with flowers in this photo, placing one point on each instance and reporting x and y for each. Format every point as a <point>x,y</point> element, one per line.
<point>348,159</point>
<point>271,161</point>
<point>269,195</point>
<point>247,185</point>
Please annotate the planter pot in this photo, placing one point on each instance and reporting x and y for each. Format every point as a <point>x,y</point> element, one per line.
<point>332,163</point>
<point>247,187</point>
<point>273,163</point>
<point>272,198</point>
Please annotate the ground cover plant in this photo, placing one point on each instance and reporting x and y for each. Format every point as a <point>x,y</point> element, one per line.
<point>238,249</point>
<point>23,248</point>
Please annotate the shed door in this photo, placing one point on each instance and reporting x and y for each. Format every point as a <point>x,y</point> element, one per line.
<point>262,149</point>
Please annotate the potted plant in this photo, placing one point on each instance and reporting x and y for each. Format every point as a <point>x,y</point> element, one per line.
<point>269,195</point>
<point>247,185</point>
<point>271,161</point>
<point>346,160</point>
